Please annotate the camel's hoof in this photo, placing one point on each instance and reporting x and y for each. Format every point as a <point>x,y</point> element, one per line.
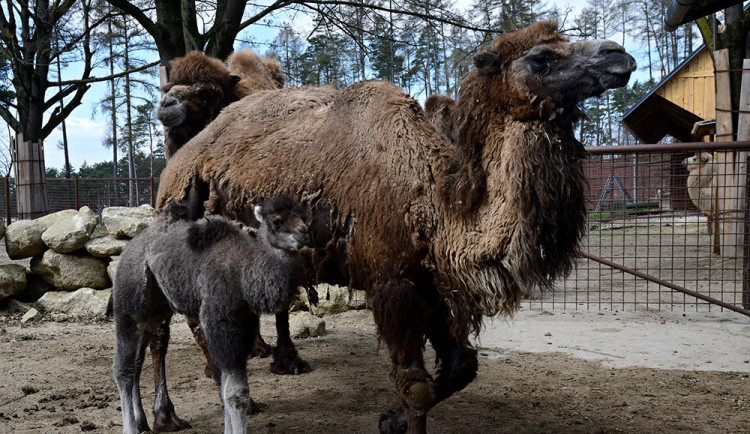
<point>417,389</point>
<point>290,366</point>
<point>169,423</point>
<point>261,349</point>
<point>208,371</point>
<point>288,363</point>
<point>256,407</point>
<point>393,422</point>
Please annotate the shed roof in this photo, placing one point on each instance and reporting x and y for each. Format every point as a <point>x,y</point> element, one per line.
<point>654,116</point>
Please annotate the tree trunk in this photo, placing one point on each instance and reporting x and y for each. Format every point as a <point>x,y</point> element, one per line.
<point>31,188</point>
<point>112,87</point>
<point>132,199</point>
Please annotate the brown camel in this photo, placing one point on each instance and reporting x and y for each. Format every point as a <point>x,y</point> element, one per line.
<point>439,234</point>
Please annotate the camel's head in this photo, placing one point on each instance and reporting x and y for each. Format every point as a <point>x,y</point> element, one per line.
<point>695,163</point>
<point>542,74</point>
<point>199,87</point>
<point>282,224</point>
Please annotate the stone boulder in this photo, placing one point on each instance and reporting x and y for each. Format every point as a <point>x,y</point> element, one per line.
<point>12,280</point>
<point>85,301</point>
<point>23,239</point>
<point>305,325</point>
<point>70,271</point>
<point>112,268</point>
<point>105,245</point>
<point>331,299</point>
<point>127,222</point>
<point>69,234</point>
<point>55,217</point>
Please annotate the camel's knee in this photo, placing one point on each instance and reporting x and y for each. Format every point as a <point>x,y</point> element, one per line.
<point>236,397</point>
<point>234,389</point>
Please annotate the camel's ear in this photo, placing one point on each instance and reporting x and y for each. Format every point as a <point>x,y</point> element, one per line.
<point>258,215</point>
<point>488,62</point>
<point>234,79</point>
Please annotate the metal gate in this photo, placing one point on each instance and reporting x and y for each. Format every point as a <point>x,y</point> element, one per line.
<point>648,246</point>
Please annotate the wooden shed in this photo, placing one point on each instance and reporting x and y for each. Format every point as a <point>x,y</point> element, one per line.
<point>686,96</point>
<point>671,108</point>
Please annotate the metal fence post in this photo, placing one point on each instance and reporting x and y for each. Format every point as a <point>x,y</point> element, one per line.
<point>7,202</point>
<point>153,200</point>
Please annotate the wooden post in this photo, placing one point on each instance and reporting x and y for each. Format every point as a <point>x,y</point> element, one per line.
<point>743,133</point>
<point>724,160</point>
<point>31,188</point>
<point>7,202</point>
<point>163,78</point>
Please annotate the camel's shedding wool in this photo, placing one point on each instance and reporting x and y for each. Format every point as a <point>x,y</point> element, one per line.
<point>496,213</point>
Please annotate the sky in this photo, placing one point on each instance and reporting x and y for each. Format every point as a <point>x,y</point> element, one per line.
<point>86,127</point>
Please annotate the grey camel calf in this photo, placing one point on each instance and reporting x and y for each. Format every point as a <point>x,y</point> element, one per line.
<point>211,271</point>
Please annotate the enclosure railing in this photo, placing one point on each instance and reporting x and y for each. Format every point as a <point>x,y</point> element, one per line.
<point>96,193</point>
<point>647,245</point>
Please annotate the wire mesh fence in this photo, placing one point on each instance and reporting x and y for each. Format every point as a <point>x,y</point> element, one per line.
<point>647,239</point>
<point>96,193</point>
<point>648,245</point>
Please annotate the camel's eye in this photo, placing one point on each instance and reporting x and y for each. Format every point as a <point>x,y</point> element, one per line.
<point>276,223</point>
<point>541,62</point>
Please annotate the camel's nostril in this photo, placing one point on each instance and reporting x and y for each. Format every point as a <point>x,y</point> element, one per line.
<point>168,101</point>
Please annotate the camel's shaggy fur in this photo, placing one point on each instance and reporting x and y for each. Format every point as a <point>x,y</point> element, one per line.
<point>439,111</point>
<point>213,272</point>
<point>700,183</point>
<point>439,233</point>
<point>201,86</point>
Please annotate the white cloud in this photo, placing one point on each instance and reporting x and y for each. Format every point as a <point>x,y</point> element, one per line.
<point>84,143</point>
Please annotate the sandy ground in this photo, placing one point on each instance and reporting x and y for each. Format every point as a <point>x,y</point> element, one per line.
<point>540,372</point>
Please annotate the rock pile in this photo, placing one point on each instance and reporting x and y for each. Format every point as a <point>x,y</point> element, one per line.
<point>72,257</point>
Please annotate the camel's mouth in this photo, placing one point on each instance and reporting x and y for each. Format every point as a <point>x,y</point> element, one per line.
<point>609,80</point>
<point>170,119</point>
<point>617,72</point>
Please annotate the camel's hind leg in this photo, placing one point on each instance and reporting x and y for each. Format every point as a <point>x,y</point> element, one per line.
<point>131,346</point>
<point>401,317</point>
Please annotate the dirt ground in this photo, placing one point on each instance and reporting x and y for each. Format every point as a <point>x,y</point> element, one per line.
<point>56,378</point>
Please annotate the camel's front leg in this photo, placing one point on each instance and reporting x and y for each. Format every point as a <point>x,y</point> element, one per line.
<point>401,317</point>
<point>285,358</point>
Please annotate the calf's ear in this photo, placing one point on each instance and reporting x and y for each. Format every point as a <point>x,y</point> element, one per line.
<point>488,62</point>
<point>258,214</point>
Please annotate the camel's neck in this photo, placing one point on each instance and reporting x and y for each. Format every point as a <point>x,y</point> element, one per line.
<point>525,232</point>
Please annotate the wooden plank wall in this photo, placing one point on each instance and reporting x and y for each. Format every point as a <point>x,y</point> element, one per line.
<point>692,88</point>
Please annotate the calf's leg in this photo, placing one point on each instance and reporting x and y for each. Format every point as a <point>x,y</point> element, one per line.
<point>229,344</point>
<point>128,362</point>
